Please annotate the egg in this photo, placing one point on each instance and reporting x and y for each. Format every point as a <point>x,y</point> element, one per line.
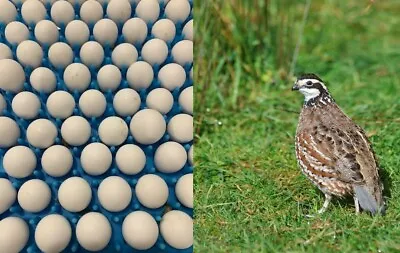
<point>62,12</point>
<point>119,10</point>
<point>148,10</point>
<point>41,133</point>
<point>33,11</point>
<point>19,162</point>
<point>8,195</point>
<point>96,159</point>
<point>177,10</point>
<point>126,102</point>
<point>170,157</point>
<point>186,100</point>
<point>190,155</point>
<point>76,130</point>
<point>160,99</point>
<point>93,231</point>
<point>109,78</point>
<point>74,194</point>
<point>77,77</point>
<point>92,103</point>
<point>60,104</point>
<point>155,51</point>
<point>43,80</point>
<point>105,31</point>
<point>164,29</point>
<point>147,126</point>
<point>12,76</point>
<point>152,191</point>
<point>57,161</point>
<point>53,233</point>
<point>60,55</point>
<point>172,76</point>
<point>135,31</point>
<point>188,30</point>
<point>14,234</point>
<point>184,190</point>
<point>182,52</point>
<point>91,11</point>
<point>34,195</point>
<point>114,194</point>
<point>77,33</point>
<point>9,132</point>
<point>124,54</point>
<point>46,32</point>
<point>130,159</point>
<point>5,52</point>
<point>26,105</point>
<point>176,228</point>
<point>180,128</point>
<point>113,131</point>
<point>92,54</point>
<point>140,230</point>
<point>140,75</point>
<point>3,104</point>
<point>16,32</point>
<point>8,12</point>
<point>30,54</point>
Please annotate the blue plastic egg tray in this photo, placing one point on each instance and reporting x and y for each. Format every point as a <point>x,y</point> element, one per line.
<point>117,243</point>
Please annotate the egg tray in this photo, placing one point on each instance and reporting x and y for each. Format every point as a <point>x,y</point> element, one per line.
<point>117,243</point>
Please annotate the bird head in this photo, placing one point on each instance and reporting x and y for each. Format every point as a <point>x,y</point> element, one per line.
<point>311,86</point>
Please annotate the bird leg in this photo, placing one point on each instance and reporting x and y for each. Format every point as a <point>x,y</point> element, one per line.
<point>326,203</point>
<point>357,205</point>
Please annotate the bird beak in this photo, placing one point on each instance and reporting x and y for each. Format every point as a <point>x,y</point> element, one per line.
<point>295,87</point>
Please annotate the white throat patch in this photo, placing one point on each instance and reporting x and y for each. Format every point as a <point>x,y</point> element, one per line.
<point>309,93</point>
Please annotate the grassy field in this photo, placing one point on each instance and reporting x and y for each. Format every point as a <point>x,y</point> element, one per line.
<point>250,194</point>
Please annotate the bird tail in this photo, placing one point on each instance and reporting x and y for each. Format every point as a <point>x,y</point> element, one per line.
<point>367,200</point>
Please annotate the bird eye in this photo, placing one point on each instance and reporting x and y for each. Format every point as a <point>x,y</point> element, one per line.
<point>309,83</point>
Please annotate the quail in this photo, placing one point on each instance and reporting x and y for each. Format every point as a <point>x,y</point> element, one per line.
<point>334,152</point>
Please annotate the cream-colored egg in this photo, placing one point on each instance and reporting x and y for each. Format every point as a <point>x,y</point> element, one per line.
<point>126,102</point>
<point>160,99</point>
<point>96,159</point>
<point>135,31</point>
<point>140,75</point>
<point>57,161</point>
<point>75,194</point>
<point>5,52</point>
<point>177,10</point>
<point>140,230</point>
<point>91,11</point>
<point>92,103</point>
<point>148,10</point>
<point>34,195</point>
<point>12,76</point>
<point>182,52</point>
<point>77,33</point>
<point>114,194</point>
<point>155,51</point>
<point>41,133</point>
<point>92,54</point>
<point>170,157</point>
<point>3,104</point>
<point>19,162</point>
<point>53,233</point>
<point>43,80</point>
<point>119,10</point>
<point>164,29</point>
<point>184,190</point>
<point>130,159</point>
<point>60,104</point>
<point>113,131</point>
<point>186,100</point>
<point>77,77</point>
<point>7,196</point>
<point>46,32</point>
<point>152,191</point>
<point>180,128</point>
<point>190,155</point>
<point>26,105</point>
<point>76,130</point>
<point>14,234</point>
<point>9,132</point>
<point>188,30</point>
<point>61,55</point>
<point>109,77</point>
<point>8,12</point>
<point>124,55</point>
<point>33,11</point>
<point>62,12</point>
<point>176,228</point>
<point>105,31</point>
<point>93,231</point>
<point>172,76</point>
<point>16,32</point>
<point>30,54</point>
<point>147,126</point>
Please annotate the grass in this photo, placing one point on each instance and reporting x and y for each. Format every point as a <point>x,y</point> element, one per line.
<point>250,194</point>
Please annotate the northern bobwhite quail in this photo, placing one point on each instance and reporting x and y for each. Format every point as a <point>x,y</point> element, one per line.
<point>334,152</point>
